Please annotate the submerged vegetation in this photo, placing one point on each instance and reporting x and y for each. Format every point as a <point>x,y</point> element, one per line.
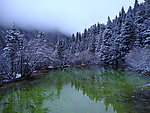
<point>102,90</point>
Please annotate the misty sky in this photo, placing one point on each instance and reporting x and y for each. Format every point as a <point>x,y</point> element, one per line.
<point>66,15</point>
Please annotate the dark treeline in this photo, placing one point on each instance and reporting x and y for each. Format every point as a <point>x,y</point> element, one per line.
<point>124,40</point>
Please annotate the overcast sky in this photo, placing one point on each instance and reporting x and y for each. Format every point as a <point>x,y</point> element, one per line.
<point>66,15</point>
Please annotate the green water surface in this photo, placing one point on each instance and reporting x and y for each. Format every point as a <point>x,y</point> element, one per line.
<point>75,91</point>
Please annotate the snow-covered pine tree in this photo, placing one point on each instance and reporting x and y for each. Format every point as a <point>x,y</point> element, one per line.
<point>92,45</point>
<point>136,6</point>
<point>147,8</point>
<point>60,48</point>
<point>139,12</point>
<point>106,46</point>
<point>127,33</point>
<point>10,52</point>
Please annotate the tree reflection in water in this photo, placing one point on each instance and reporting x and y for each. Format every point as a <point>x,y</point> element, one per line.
<point>28,99</point>
<point>112,88</point>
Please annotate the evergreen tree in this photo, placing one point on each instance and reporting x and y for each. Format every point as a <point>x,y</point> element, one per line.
<point>92,46</point>
<point>127,35</point>
<point>147,14</point>
<point>109,23</point>
<point>12,45</point>
<point>136,5</point>
<point>85,33</point>
<point>105,47</point>
<point>139,25</point>
<point>147,7</point>
<point>60,50</point>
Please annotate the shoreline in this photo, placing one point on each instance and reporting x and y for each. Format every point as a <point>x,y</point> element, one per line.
<point>41,72</point>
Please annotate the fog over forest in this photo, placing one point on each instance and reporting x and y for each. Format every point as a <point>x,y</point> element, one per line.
<point>68,16</point>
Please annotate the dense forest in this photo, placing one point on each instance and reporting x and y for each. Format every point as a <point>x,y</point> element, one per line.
<point>123,42</point>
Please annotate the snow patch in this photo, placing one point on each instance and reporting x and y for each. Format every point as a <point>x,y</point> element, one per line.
<point>50,67</point>
<point>6,80</point>
<point>18,75</point>
<point>147,85</point>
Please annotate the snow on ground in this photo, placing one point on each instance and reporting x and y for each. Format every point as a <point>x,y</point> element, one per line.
<point>50,67</point>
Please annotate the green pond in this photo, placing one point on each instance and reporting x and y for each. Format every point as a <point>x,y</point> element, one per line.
<point>75,91</point>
